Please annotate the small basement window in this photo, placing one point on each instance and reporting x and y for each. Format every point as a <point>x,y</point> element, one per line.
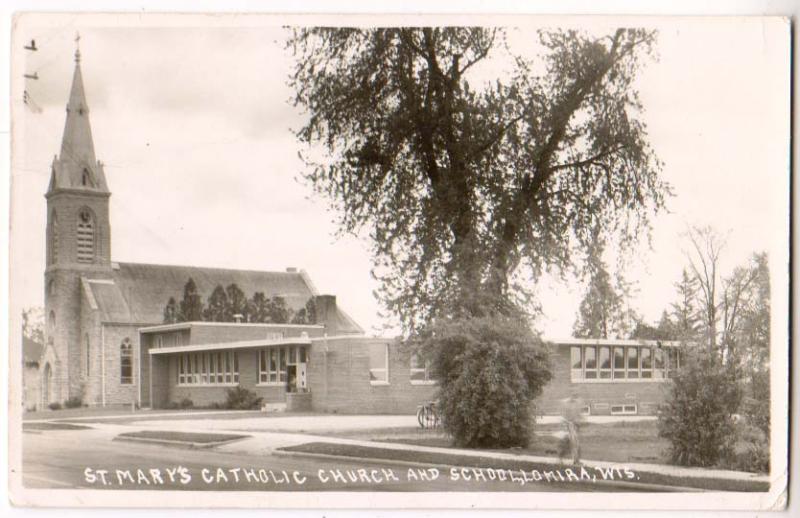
<point>623,409</point>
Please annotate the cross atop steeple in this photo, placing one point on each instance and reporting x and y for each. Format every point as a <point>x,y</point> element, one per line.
<point>77,47</point>
<point>76,167</point>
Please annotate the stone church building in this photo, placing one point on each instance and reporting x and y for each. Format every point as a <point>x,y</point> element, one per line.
<point>106,342</point>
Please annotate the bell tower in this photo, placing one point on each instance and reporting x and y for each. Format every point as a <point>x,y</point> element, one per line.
<point>78,243</point>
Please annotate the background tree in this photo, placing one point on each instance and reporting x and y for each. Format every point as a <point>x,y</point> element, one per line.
<point>752,333</point>
<point>33,324</point>
<point>191,307</point>
<point>259,308</point>
<point>684,309</point>
<point>707,245</point>
<point>279,312</point>
<point>217,307</point>
<point>307,314</point>
<point>666,329</point>
<point>462,182</point>
<point>603,312</point>
<point>236,304</point>
<point>171,312</point>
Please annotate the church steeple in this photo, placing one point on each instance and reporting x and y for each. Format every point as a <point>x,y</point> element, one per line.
<point>77,166</point>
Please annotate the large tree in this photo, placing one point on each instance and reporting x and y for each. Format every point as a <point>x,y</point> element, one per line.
<point>470,185</point>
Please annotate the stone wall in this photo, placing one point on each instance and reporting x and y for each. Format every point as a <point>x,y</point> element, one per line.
<point>113,335</point>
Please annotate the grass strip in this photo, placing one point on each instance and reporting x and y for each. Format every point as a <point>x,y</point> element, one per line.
<point>389,454</point>
<point>53,426</point>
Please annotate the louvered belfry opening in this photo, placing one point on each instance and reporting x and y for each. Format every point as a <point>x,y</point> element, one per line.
<point>85,237</point>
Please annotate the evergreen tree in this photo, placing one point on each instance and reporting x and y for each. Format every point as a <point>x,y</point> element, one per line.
<point>191,307</point>
<point>278,310</point>
<point>307,314</point>
<point>684,310</point>
<point>665,330</point>
<point>217,307</point>
<point>259,308</point>
<point>236,304</point>
<point>311,311</point>
<point>171,311</point>
<point>602,312</point>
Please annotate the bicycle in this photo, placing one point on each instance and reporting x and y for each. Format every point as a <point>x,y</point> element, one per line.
<point>427,416</point>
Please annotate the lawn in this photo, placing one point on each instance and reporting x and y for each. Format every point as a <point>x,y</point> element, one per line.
<point>182,437</point>
<point>626,441</point>
<point>644,479</point>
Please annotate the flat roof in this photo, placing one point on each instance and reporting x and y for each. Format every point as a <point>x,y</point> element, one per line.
<point>188,325</point>
<point>608,341</point>
<point>245,344</point>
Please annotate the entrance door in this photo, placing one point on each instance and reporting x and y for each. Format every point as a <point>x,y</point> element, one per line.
<point>291,378</point>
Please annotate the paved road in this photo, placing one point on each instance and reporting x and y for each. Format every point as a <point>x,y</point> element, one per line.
<point>60,458</point>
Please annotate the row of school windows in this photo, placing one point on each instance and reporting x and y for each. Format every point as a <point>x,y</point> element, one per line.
<point>211,368</point>
<point>590,362</point>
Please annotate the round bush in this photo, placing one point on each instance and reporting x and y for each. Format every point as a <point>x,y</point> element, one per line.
<point>489,371</point>
<point>698,415</point>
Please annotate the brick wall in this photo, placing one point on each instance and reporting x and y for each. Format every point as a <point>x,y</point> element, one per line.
<point>647,395</point>
<point>338,376</point>
<point>206,395</point>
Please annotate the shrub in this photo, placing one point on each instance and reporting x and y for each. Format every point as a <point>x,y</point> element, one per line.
<point>489,371</point>
<point>755,408</point>
<point>752,457</point>
<point>73,402</point>
<point>239,398</point>
<point>186,403</point>
<point>171,405</point>
<point>55,405</point>
<point>698,416</point>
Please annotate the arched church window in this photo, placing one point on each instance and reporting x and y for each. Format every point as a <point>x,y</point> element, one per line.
<point>88,356</point>
<point>86,178</point>
<point>51,321</point>
<point>51,287</point>
<point>86,236</point>
<point>52,255</point>
<point>126,362</point>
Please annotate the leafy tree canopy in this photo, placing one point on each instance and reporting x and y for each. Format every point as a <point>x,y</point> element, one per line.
<point>470,188</point>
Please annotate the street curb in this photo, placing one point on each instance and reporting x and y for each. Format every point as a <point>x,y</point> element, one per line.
<point>181,444</point>
<point>606,483</point>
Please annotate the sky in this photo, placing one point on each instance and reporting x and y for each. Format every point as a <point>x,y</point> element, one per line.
<point>193,123</point>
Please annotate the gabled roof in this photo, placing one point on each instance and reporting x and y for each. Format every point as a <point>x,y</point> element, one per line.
<point>138,293</point>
